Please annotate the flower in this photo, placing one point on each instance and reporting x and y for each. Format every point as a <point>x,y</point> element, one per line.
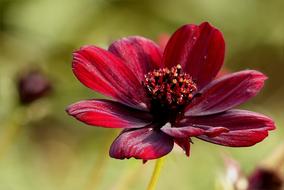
<point>166,97</point>
<point>32,86</point>
<point>267,175</point>
<point>263,179</point>
<point>233,178</point>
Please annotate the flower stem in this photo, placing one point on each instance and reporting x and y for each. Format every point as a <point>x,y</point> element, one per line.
<point>156,173</point>
<point>99,167</point>
<point>8,139</point>
<point>11,131</point>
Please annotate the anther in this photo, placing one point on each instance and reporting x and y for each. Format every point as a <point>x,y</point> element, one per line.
<point>171,87</point>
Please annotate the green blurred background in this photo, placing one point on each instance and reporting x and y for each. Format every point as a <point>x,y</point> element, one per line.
<point>41,148</point>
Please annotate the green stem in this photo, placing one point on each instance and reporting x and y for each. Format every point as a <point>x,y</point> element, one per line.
<point>8,139</point>
<point>12,130</point>
<point>156,174</point>
<point>99,167</point>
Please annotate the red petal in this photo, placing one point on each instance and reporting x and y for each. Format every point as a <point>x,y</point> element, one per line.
<point>245,128</point>
<point>140,54</point>
<point>238,138</point>
<point>199,49</point>
<point>227,92</point>
<point>102,71</point>
<point>184,143</point>
<point>143,144</point>
<point>110,114</point>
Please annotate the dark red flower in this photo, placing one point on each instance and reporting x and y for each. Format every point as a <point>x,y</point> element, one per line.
<point>265,179</point>
<point>32,86</point>
<point>166,98</point>
<point>266,176</point>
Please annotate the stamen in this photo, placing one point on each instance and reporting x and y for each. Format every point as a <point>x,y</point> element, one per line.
<point>171,87</point>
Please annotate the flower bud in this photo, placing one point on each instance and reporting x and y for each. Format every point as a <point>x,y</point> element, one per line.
<point>265,179</point>
<point>32,85</point>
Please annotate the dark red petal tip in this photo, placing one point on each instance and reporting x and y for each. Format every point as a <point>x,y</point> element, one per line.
<point>184,143</point>
<point>146,144</point>
<point>107,113</point>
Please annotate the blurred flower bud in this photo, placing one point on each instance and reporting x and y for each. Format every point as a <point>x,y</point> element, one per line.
<point>233,178</point>
<point>265,179</point>
<point>267,176</point>
<point>32,86</point>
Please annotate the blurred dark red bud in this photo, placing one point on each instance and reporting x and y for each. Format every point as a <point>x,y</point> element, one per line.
<point>33,85</point>
<point>264,179</point>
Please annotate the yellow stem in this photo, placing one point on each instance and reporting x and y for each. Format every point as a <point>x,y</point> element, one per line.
<point>156,174</point>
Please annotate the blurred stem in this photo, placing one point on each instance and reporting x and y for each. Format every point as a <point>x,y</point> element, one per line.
<point>99,166</point>
<point>11,131</point>
<point>97,172</point>
<point>275,160</point>
<point>127,178</point>
<point>156,174</point>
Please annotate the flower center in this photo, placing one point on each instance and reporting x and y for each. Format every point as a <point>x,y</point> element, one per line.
<point>170,87</point>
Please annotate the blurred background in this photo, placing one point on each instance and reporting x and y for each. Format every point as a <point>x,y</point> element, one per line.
<point>43,148</point>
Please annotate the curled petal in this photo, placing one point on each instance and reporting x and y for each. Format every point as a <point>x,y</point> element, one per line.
<point>227,92</point>
<point>199,49</point>
<point>184,143</point>
<point>182,132</point>
<point>140,54</point>
<point>215,131</point>
<point>245,128</point>
<point>110,114</point>
<point>103,72</point>
<point>193,130</point>
<point>144,143</point>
